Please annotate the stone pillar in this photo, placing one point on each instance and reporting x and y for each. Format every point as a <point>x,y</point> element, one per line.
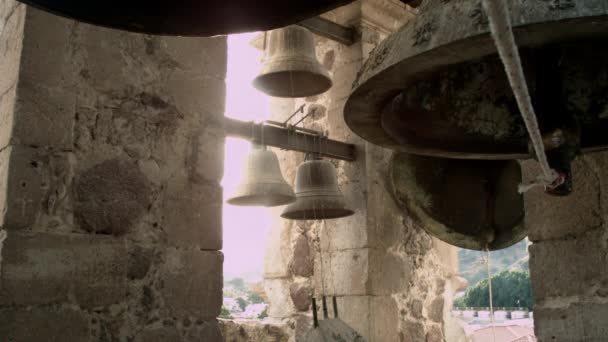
<point>569,254</point>
<point>388,274</point>
<point>111,162</point>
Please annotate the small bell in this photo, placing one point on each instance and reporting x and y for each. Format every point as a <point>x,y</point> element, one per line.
<point>263,184</point>
<point>291,68</point>
<point>317,193</point>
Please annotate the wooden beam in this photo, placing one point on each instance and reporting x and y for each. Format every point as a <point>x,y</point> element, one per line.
<point>330,30</point>
<point>289,139</point>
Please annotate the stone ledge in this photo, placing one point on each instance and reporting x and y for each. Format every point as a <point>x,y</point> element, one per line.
<point>41,268</point>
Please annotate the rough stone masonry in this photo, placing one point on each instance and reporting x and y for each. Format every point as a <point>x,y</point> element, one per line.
<point>111,152</point>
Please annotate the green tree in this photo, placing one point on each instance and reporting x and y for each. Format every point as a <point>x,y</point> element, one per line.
<point>263,314</point>
<point>237,283</point>
<point>225,313</point>
<point>255,298</point>
<point>509,289</point>
<point>242,303</point>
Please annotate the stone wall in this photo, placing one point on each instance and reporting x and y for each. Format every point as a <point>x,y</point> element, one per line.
<point>569,254</point>
<point>392,279</point>
<point>111,156</point>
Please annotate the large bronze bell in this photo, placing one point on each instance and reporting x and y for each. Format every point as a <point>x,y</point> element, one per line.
<point>291,68</point>
<point>188,17</point>
<point>317,192</point>
<point>437,86</point>
<point>263,184</point>
<point>467,203</point>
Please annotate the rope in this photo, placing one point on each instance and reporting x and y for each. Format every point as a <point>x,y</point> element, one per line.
<point>487,262</point>
<point>500,25</point>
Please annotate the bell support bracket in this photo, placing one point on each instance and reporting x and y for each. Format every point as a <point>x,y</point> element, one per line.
<point>330,30</point>
<point>289,139</point>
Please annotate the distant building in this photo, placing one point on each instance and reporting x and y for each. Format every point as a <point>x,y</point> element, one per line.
<point>504,333</point>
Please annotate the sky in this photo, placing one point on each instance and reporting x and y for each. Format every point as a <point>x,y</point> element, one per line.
<point>245,228</point>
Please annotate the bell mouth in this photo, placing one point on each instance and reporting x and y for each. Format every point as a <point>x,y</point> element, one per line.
<point>305,84</point>
<point>261,200</point>
<point>316,209</point>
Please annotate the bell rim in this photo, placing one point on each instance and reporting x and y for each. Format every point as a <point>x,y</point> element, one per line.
<point>336,214</point>
<point>323,81</point>
<point>255,200</point>
<point>390,65</point>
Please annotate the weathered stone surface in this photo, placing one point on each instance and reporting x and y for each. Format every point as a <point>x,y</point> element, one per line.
<point>254,331</point>
<point>412,331</point>
<point>192,283</point>
<point>301,296</point>
<point>43,324</point>
<point>164,334</point>
<point>46,268</point>
<point>567,267</point>
<point>301,263</point>
<point>436,309</point>
<point>111,196</point>
<point>193,214</point>
<point>415,308</point>
<point>31,184</point>
<point>578,322</point>
<point>355,311</point>
<point>44,117</point>
<point>345,272</point>
<point>552,217</point>
<point>204,331</point>
<point>281,305</point>
<point>384,318</point>
<point>434,334</point>
<point>12,14</point>
<point>390,272</point>
<point>278,250</point>
<point>140,260</point>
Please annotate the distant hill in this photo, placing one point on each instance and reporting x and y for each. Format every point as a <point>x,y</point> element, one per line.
<point>512,258</point>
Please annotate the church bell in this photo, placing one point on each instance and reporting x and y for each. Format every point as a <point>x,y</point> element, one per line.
<point>290,67</point>
<point>471,204</point>
<point>263,184</point>
<point>317,192</point>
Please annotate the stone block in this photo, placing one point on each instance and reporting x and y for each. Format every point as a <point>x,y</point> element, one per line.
<point>208,331</point>
<point>35,182</point>
<point>384,319</point>
<point>205,159</point>
<point>47,57</point>
<point>300,294</point>
<point>41,268</point>
<point>111,197</point>
<point>193,214</point>
<point>345,272</point>
<point>278,292</point>
<point>198,56</point>
<point>43,324</point>
<point>301,263</point>
<point>355,311</point>
<point>163,334</point>
<point>567,267</point>
<point>192,283</point>
<point>389,271</point>
<point>278,249</point>
<point>12,16</point>
<point>44,116</point>
<point>577,322</point>
<point>551,217</point>
<point>7,104</point>
<point>197,96</point>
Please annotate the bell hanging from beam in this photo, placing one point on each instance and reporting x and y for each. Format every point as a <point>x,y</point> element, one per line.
<point>262,184</point>
<point>317,192</point>
<point>291,68</point>
<point>472,204</point>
